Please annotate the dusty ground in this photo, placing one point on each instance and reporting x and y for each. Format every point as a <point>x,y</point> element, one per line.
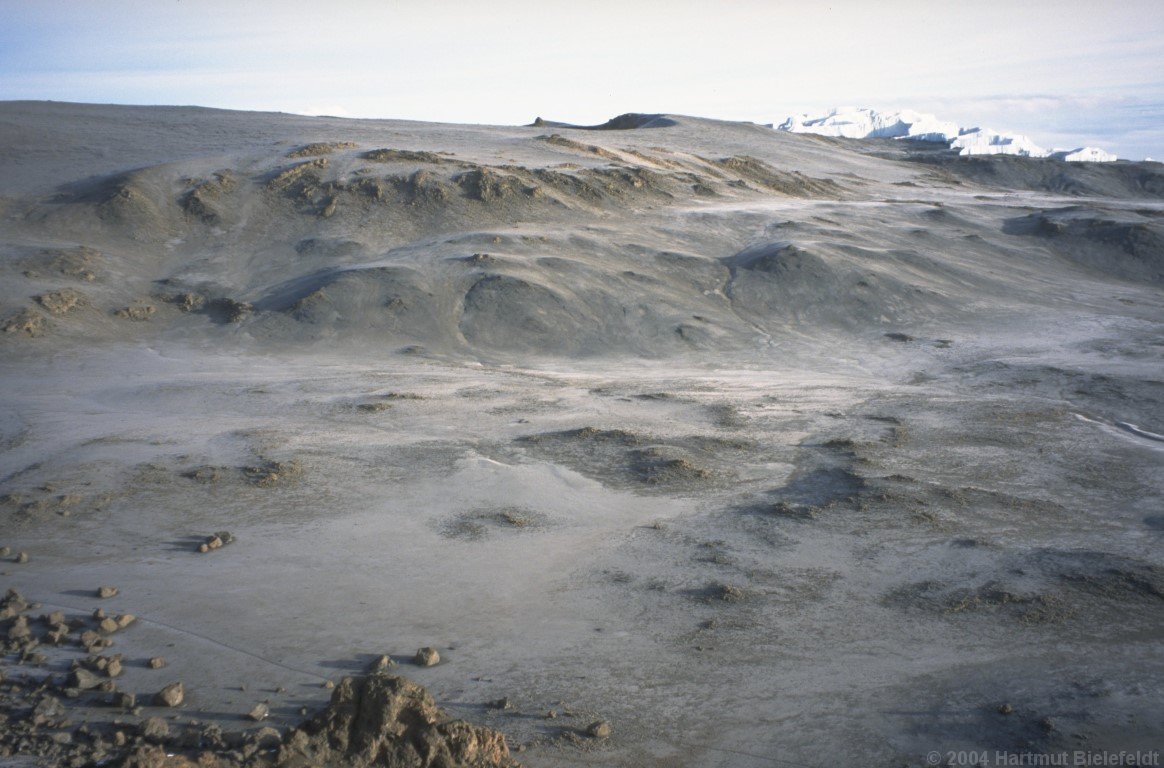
<point>765,449</point>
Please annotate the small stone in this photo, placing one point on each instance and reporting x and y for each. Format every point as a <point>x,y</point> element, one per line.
<point>303,711</point>
<point>21,558</point>
<point>427,656</point>
<point>170,696</point>
<point>157,662</point>
<point>328,684</point>
<point>5,551</point>
<point>99,614</point>
<point>107,592</point>
<point>551,715</point>
<point>502,703</point>
<point>125,619</point>
<point>599,730</point>
<point>119,739</point>
<point>1005,709</point>
<point>109,625</point>
<point>124,700</point>
<point>259,713</point>
<point>381,664</point>
<point>113,668</point>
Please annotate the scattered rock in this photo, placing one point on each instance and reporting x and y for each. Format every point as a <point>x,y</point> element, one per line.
<point>107,592</point>
<point>260,712</point>
<point>157,662</point>
<point>170,696</point>
<point>427,656</point>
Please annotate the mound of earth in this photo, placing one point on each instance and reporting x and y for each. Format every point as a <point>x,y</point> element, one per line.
<point>383,720</point>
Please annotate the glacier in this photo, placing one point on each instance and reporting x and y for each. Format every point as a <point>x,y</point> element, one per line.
<point>865,123</point>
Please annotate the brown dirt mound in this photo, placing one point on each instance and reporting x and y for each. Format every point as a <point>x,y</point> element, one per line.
<point>383,720</point>
<point>402,156</point>
<point>62,301</point>
<point>204,200</point>
<point>26,322</point>
<point>321,148</point>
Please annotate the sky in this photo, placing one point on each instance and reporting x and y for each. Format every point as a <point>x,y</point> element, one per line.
<point>1067,73</point>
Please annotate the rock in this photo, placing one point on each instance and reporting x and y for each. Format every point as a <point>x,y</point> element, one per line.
<point>107,592</point>
<point>381,664</point>
<point>125,619</point>
<point>260,712</point>
<point>21,558</point>
<point>502,703</point>
<point>170,696</point>
<point>5,551</point>
<point>155,730</point>
<point>113,668</point>
<point>124,700</point>
<point>157,662</point>
<point>427,656</point>
<point>599,730</point>
<point>109,625</point>
<point>1005,709</point>
<point>83,679</point>
<point>328,684</point>
<point>265,738</point>
<point>390,721</point>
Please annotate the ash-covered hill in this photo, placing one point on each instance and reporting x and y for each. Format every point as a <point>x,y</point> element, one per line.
<point>650,236</point>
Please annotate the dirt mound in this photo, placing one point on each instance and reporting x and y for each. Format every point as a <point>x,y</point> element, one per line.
<point>623,459</point>
<point>506,313</point>
<point>63,301</point>
<point>321,148</point>
<point>1122,244</point>
<point>558,140</point>
<point>382,720</point>
<point>204,202</point>
<point>627,122</point>
<point>403,156</point>
<point>793,184</point>
<point>26,322</point>
<point>780,282</point>
<point>1043,174</point>
<point>80,263</point>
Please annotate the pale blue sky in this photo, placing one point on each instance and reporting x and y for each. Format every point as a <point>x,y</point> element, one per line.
<point>1065,73</point>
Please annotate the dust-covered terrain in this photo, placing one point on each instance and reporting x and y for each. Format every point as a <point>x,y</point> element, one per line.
<point>680,442</point>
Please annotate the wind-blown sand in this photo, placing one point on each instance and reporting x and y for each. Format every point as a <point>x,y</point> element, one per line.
<point>763,449</point>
